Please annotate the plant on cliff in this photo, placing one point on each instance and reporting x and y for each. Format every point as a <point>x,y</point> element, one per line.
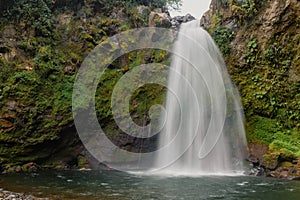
<point>223,37</point>
<point>32,14</point>
<point>244,9</point>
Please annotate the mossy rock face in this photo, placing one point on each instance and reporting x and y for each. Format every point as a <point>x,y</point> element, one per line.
<point>39,58</point>
<point>262,56</point>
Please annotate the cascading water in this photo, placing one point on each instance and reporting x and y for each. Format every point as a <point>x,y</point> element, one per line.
<point>203,130</point>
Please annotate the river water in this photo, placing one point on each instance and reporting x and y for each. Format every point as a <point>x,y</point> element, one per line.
<point>109,184</point>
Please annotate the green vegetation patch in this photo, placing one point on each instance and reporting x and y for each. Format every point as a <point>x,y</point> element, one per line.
<point>271,132</point>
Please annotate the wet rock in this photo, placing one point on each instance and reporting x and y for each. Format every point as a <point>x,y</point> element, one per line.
<point>9,36</point>
<point>176,21</point>
<point>253,159</point>
<point>157,19</point>
<point>188,18</point>
<point>270,161</point>
<point>257,171</point>
<point>257,152</point>
<point>268,164</point>
<point>69,69</point>
<point>11,105</point>
<point>8,43</point>
<point>18,169</point>
<point>8,53</point>
<point>273,14</point>
<point>30,167</point>
<point>7,195</point>
<point>297,178</point>
<point>284,174</point>
<point>287,171</point>
<point>64,19</point>
<point>120,15</point>
<point>11,170</point>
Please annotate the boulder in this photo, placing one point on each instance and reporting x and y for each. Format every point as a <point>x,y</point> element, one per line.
<point>270,161</point>
<point>8,43</point>
<point>157,19</point>
<point>30,167</point>
<point>176,21</point>
<point>257,171</point>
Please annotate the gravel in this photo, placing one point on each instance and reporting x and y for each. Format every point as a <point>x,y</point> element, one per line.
<point>6,195</point>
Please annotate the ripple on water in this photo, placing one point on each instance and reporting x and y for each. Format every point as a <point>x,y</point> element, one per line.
<point>61,177</point>
<point>243,183</point>
<point>264,184</point>
<point>216,197</point>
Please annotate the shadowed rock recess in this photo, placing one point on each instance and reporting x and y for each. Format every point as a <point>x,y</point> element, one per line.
<point>44,42</point>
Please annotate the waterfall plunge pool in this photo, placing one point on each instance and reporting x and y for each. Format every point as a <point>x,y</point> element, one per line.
<point>110,184</point>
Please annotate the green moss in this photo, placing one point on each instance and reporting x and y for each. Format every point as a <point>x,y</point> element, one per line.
<point>140,101</point>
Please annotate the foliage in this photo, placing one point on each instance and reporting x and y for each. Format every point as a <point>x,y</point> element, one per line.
<point>270,131</point>
<point>223,37</point>
<point>34,14</point>
<point>252,53</point>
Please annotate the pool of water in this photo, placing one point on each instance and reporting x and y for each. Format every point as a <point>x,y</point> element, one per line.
<point>109,184</point>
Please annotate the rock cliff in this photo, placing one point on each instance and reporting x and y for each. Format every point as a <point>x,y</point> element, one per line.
<point>260,43</point>
<point>42,45</point>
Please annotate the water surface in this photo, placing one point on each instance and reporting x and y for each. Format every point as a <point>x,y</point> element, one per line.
<point>108,184</point>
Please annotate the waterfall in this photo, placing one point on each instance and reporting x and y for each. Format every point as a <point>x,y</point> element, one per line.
<point>203,130</point>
